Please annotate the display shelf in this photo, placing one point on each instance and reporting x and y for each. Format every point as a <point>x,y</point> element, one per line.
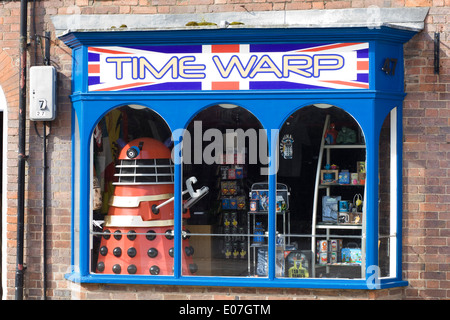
<point>266,212</point>
<point>339,264</point>
<point>325,185</point>
<point>344,146</point>
<point>233,203</point>
<point>253,246</point>
<point>340,226</point>
<point>258,245</point>
<point>338,188</point>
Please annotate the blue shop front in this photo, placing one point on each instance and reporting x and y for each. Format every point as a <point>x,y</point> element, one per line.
<point>263,157</point>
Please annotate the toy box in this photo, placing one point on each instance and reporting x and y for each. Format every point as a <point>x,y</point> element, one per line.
<point>226,205</point>
<point>231,173</point>
<point>262,259</point>
<point>239,173</point>
<point>330,209</point>
<point>351,255</point>
<point>259,197</point>
<point>344,177</point>
<point>329,176</point>
<point>233,203</point>
<point>298,263</point>
<point>241,202</point>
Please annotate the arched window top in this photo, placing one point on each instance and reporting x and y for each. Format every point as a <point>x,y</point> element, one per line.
<point>131,121</point>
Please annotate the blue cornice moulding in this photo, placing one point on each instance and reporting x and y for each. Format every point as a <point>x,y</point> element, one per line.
<point>76,39</point>
<point>385,46</point>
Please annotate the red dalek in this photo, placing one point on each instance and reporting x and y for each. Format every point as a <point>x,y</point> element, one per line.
<point>138,230</point>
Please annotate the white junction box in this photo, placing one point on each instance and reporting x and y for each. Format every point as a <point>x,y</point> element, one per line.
<point>42,93</point>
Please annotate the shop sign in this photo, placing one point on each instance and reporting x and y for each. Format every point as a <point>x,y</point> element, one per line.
<point>229,67</point>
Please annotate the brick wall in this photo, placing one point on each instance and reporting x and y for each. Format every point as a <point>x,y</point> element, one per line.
<point>150,292</point>
<point>8,80</point>
<point>426,224</point>
<point>426,162</point>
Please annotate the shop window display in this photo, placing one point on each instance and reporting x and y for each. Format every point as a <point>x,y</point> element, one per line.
<point>387,196</point>
<point>132,194</point>
<point>325,171</point>
<point>226,194</point>
<point>322,216</point>
<point>133,212</point>
<point>226,147</point>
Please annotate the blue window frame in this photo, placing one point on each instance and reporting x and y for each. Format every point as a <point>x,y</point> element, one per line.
<point>377,94</point>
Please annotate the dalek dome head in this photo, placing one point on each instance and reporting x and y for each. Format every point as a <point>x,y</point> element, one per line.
<point>144,148</point>
<point>144,161</point>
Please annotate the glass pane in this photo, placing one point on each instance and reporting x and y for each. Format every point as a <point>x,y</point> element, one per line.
<point>132,175</point>
<point>225,148</point>
<point>322,166</point>
<point>76,193</point>
<point>387,194</point>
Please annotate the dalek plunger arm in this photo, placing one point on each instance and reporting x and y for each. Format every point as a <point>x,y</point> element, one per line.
<point>195,196</point>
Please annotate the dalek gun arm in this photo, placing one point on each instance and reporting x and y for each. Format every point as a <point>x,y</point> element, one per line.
<point>195,195</point>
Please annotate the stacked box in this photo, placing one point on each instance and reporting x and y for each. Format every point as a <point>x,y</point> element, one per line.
<point>328,251</point>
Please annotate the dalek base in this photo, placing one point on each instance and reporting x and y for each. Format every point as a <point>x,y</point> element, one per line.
<point>141,251</point>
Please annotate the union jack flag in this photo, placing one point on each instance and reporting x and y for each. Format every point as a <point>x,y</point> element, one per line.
<point>354,73</point>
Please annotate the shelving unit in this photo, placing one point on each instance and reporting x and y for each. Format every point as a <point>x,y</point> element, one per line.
<point>331,229</point>
<point>283,228</point>
<point>233,206</point>
<point>253,246</point>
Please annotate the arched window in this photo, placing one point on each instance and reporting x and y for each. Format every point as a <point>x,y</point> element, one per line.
<point>225,149</point>
<point>322,160</point>
<point>387,191</point>
<point>132,171</point>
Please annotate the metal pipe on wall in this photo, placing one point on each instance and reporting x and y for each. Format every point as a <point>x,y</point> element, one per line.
<point>44,182</point>
<point>21,151</point>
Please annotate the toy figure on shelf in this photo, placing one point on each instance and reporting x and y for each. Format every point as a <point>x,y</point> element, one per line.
<point>346,136</point>
<point>264,201</point>
<point>331,167</point>
<point>331,134</point>
<point>357,202</point>
<point>286,146</point>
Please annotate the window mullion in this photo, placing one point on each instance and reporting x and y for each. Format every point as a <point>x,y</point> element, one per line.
<point>178,207</point>
<point>272,136</point>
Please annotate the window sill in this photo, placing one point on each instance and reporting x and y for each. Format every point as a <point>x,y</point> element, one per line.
<point>353,284</point>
